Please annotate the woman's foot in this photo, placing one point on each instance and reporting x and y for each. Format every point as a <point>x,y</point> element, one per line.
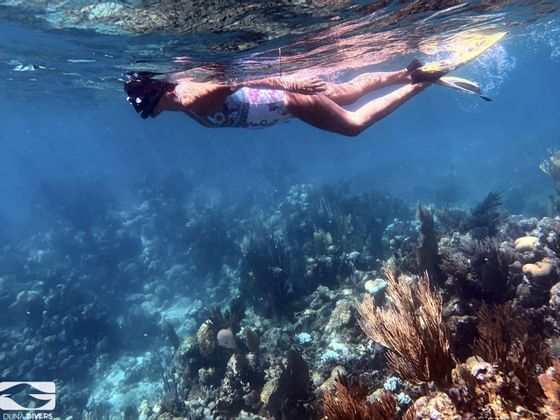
<point>420,72</point>
<point>413,65</point>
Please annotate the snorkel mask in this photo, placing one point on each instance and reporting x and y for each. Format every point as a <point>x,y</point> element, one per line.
<point>144,92</point>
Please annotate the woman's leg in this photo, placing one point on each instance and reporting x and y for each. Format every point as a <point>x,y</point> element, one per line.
<point>349,92</point>
<point>322,112</point>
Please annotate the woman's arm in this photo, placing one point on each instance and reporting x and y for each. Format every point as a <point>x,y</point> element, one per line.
<point>307,86</point>
<point>208,98</point>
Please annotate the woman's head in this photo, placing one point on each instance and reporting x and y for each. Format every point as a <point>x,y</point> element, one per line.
<point>144,92</point>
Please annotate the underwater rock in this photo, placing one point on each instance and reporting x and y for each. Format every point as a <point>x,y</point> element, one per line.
<point>304,338</point>
<point>538,278</point>
<point>484,391</point>
<point>244,377</point>
<point>243,415</point>
<point>340,317</point>
<point>123,380</point>
<point>103,12</point>
<point>437,406</point>
<point>206,338</point>
<point>252,401</point>
<point>516,226</point>
<point>554,301</point>
<point>144,412</point>
<point>208,376</point>
<point>320,297</point>
<point>286,396</point>
<point>461,326</point>
<point>526,243</point>
<point>230,400</point>
<point>252,340</point>
<point>170,334</point>
<point>482,370</point>
<point>271,395</point>
<point>375,286</point>
<point>328,385</point>
<point>539,270</point>
<point>392,384</point>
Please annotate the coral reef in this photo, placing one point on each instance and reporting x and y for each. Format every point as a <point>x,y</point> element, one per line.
<point>550,384</point>
<point>427,253</point>
<point>551,167</point>
<point>349,401</point>
<point>179,306</point>
<point>411,329</point>
<point>483,220</point>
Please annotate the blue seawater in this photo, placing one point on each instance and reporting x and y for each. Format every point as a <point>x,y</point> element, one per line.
<point>134,250</point>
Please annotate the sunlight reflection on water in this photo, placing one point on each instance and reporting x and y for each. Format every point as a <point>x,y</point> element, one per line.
<point>67,44</point>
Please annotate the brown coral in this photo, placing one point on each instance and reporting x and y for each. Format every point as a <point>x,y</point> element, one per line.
<point>494,338</point>
<point>505,339</point>
<point>349,402</point>
<point>550,383</point>
<point>411,329</point>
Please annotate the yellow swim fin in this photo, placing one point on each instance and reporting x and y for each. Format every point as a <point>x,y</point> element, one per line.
<point>443,66</point>
<point>463,85</point>
<point>429,72</point>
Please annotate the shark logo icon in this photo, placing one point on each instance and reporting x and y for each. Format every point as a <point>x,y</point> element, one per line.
<point>46,392</point>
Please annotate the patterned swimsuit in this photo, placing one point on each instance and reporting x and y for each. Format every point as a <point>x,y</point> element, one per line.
<point>249,108</point>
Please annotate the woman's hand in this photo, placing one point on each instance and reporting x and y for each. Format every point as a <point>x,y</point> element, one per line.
<point>307,86</point>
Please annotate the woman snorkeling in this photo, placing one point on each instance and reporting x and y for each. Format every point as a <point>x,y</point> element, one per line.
<point>264,102</point>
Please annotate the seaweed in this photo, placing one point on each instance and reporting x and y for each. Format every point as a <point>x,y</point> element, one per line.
<point>174,394</point>
<point>483,220</point>
<point>368,215</point>
<point>266,275</point>
<point>480,270</point>
<point>349,401</point>
<point>228,318</point>
<point>500,382</point>
<point>427,252</point>
<point>550,383</point>
<point>327,270</point>
<point>411,329</point>
<point>208,240</point>
<point>506,338</point>
<point>450,219</point>
<point>355,222</point>
<point>551,166</point>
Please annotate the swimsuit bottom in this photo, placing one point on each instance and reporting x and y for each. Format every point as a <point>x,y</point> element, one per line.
<point>250,108</point>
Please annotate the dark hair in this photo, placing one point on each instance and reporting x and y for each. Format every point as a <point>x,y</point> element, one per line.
<point>144,92</point>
